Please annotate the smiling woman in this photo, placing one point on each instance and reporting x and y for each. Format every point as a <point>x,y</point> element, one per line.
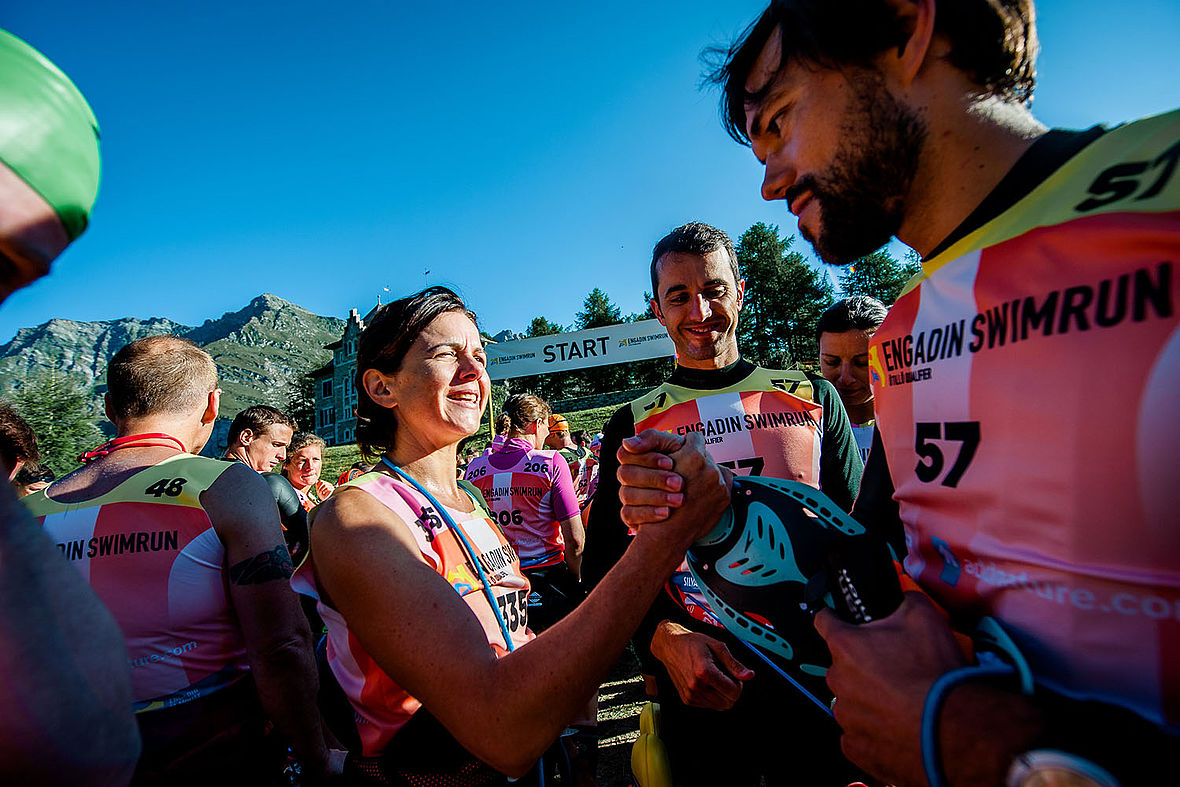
<point>423,597</point>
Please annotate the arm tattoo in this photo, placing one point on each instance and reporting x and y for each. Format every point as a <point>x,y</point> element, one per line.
<point>263,567</point>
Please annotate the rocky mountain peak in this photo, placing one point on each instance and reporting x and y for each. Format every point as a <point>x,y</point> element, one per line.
<point>260,349</point>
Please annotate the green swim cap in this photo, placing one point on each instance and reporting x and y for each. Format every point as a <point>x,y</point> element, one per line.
<point>48,135</point>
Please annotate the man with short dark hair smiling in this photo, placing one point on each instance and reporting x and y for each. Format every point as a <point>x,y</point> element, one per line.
<point>756,422</point>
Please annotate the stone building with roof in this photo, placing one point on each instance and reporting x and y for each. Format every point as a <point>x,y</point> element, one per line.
<point>335,391</point>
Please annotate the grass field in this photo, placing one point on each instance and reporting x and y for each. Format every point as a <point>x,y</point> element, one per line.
<point>339,457</point>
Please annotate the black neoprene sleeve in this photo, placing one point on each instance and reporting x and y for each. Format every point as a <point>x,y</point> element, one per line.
<point>606,535</point>
<point>875,507</point>
<point>840,467</point>
<point>285,496</point>
<point>291,512</point>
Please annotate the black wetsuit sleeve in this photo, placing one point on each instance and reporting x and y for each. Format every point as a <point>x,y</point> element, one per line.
<point>606,535</point>
<point>840,467</point>
<point>291,513</point>
<point>875,507</point>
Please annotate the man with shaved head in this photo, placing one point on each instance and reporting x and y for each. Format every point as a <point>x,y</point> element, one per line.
<point>188,555</point>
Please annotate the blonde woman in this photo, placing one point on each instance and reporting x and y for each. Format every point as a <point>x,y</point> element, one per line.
<point>302,467</point>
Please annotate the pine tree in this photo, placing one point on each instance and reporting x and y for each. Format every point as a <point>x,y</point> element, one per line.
<point>784,297</point>
<point>58,406</point>
<point>548,386</point>
<point>879,275</point>
<point>540,326</point>
<point>300,403</point>
<point>598,311</point>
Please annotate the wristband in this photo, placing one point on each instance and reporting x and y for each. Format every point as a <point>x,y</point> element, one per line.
<point>932,711</point>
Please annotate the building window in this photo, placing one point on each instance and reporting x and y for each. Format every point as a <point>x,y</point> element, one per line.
<point>347,435</point>
<point>327,389</point>
<point>327,417</point>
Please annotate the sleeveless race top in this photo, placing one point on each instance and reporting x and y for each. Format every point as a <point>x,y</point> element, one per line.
<point>316,494</point>
<point>1026,391</point>
<point>576,458</point>
<point>591,486</point>
<point>767,424</point>
<point>149,551</point>
<point>530,493</point>
<point>382,706</point>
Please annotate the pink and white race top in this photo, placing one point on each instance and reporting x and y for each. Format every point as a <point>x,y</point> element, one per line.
<point>531,492</point>
<point>1026,398</point>
<point>149,551</point>
<point>382,706</point>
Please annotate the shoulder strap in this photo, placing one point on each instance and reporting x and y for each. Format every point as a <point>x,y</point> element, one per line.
<point>1129,168</point>
<point>789,381</point>
<point>655,399</point>
<point>177,480</point>
<point>667,395</point>
<point>476,496</point>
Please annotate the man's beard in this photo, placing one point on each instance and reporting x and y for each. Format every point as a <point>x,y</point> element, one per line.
<point>862,194</point>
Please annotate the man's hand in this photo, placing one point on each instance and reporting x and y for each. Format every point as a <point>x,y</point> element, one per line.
<point>657,468</point>
<point>705,673</point>
<point>648,488</point>
<point>881,673</point>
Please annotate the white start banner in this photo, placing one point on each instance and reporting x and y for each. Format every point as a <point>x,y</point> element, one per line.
<point>563,352</point>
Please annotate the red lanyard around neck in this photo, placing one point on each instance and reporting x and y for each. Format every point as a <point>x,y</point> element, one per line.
<point>133,441</point>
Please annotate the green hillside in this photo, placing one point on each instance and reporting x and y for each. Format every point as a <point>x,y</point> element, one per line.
<point>261,350</point>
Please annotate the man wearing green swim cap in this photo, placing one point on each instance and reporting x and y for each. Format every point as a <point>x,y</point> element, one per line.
<point>49,163</point>
<point>65,703</point>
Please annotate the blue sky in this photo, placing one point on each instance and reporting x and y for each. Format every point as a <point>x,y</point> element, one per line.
<point>523,154</point>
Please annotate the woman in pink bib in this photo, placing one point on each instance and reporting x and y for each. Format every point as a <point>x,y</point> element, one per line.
<point>531,494</point>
